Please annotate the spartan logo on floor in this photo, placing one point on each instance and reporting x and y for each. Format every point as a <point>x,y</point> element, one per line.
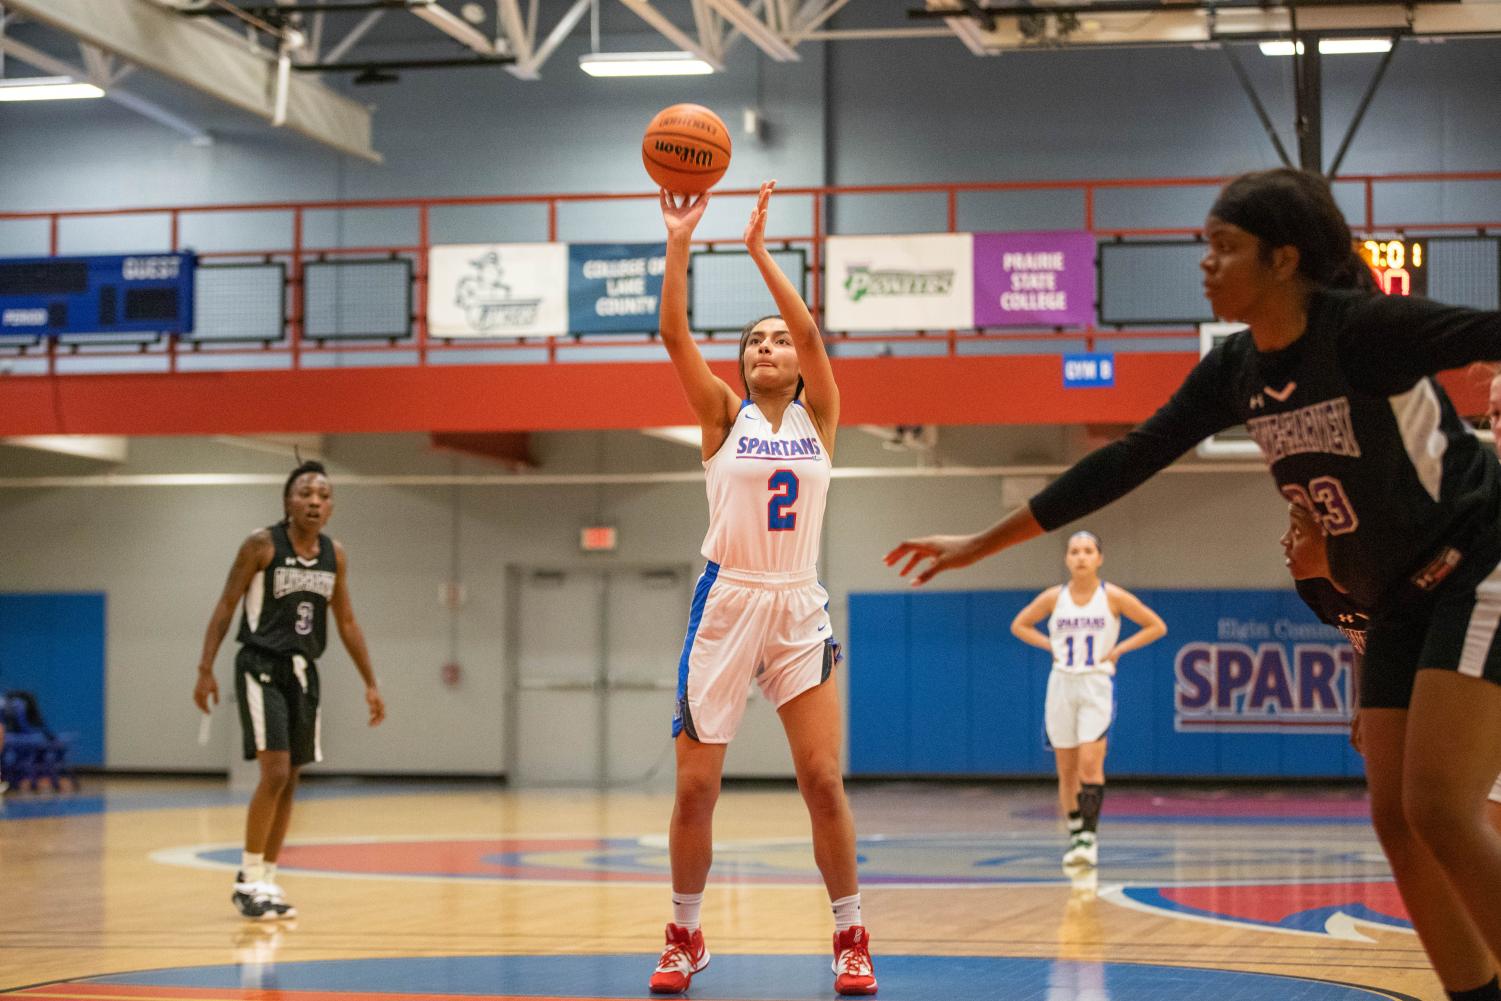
<point>1343,910</point>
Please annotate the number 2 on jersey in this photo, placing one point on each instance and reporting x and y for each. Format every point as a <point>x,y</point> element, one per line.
<point>783,485</point>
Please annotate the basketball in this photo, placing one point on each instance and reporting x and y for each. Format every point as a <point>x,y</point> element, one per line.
<point>686,149</point>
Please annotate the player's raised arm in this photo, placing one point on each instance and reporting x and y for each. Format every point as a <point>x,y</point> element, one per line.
<point>819,388</point>
<point>714,403</point>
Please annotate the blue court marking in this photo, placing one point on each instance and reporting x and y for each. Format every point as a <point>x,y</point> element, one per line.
<point>762,978</point>
<point>22,806</point>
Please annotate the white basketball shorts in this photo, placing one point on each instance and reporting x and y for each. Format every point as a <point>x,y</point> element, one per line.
<point>773,627</point>
<point>1079,707</point>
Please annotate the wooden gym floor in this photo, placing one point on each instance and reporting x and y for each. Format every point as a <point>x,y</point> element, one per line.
<point>419,891</point>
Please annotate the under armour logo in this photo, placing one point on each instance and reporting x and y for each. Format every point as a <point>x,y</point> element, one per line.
<point>1258,402</point>
<point>265,679</point>
<point>291,561</point>
<point>1281,395</point>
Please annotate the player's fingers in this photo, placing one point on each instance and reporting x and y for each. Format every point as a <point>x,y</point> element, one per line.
<point>913,563</point>
<point>902,549</point>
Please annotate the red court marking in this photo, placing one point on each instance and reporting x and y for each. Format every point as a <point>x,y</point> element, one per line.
<point>1291,807</point>
<point>1273,903</point>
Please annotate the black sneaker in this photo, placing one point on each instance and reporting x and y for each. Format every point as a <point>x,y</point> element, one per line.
<point>279,902</point>
<point>251,899</point>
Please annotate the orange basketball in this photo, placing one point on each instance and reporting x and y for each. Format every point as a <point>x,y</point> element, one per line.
<point>686,149</point>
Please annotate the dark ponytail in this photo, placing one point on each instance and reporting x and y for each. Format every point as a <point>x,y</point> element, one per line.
<point>1286,207</point>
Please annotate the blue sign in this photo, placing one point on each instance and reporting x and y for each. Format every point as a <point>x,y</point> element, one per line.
<point>131,293</point>
<point>1088,371</point>
<point>614,287</point>
<point>1245,683</point>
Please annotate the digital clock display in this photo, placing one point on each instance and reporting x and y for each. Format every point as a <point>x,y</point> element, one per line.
<point>1400,266</point>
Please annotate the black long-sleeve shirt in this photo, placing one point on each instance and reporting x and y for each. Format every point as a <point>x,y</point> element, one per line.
<point>1349,421</point>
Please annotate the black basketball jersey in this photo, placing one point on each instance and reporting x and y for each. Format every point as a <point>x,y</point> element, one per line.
<point>286,607</point>
<point>1350,423</point>
<point>1335,608</point>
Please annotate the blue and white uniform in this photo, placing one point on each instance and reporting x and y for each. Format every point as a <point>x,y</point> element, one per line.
<point>1081,688</point>
<point>758,610</point>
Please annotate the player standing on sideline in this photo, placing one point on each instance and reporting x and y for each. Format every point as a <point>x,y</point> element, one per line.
<point>1334,383</point>
<point>1084,625</point>
<point>758,610</point>
<point>289,575</point>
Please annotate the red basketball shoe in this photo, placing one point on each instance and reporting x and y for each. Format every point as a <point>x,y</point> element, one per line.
<point>853,972</point>
<point>684,956</point>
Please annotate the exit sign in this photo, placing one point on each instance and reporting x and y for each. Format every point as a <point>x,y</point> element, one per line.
<point>598,539</point>
<point>1088,371</point>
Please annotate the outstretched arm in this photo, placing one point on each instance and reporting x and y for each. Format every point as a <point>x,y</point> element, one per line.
<point>819,388</point>
<point>1024,626</point>
<point>353,637</point>
<point>714,403</point>
<point>1152,627</point>
<point>255,553</point>
<point>950,552</point>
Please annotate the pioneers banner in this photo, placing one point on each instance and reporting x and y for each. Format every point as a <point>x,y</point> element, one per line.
<point>915,282</point>
<point>1034,279</point>
<point>497,290</point>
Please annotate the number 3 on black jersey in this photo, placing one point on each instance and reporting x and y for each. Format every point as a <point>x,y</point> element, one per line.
<point>1325,496</point>
<point>783,484</point>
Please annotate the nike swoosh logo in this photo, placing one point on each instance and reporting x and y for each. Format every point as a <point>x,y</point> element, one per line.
<point>822,628</point>
<point>1286,391</point>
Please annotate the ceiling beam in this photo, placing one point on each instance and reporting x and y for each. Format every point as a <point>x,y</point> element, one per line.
<point>644,10</point>
<point>756,30</point>
<point>195,134</point>
<point>210,59</point>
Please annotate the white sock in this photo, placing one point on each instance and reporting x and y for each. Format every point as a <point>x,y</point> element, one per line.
<point>252,866</point>
<point>847,912</point>
<point>685,908</point>
<point>269,872</point>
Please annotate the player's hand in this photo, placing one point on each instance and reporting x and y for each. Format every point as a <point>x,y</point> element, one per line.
<point>376,704</point>
<point>682,212</point>
<point>206,692</point>
<point>942,552</point>
<point>1355,733</point>
<point>755,230</point>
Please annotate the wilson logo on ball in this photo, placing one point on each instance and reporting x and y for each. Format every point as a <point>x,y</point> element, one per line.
<point>686,149</point>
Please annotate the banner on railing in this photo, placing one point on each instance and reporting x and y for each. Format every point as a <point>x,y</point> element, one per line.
<point>914,282</point>
<point>615,287</point>
<point>498,290</point>
<point>1034,279</point>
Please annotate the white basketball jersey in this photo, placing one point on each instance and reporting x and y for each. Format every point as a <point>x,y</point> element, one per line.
<point>1083,634</point>
<point>767,491</point>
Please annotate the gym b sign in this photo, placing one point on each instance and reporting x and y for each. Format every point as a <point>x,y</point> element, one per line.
<point>1089,371</point>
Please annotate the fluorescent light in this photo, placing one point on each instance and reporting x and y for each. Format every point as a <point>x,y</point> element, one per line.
<point>1330,46</point>
<point>643,64</point>
<point>46,88</point>
<point>1353,46</point>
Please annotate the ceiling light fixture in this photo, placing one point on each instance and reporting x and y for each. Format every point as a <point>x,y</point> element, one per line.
<point>46,88</point>
<point>643,64</point>
<point>1330,46</point>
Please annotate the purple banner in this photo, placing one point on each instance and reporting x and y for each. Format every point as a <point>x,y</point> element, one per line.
<point>1034,279</point>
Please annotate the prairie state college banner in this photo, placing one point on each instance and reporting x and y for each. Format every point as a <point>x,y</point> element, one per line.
<point>497,290</point>
<point>1034,279</point>
<point>917,282</point>
<point>615,287</point>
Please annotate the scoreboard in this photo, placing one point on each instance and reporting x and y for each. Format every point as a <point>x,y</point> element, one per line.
<point>1400,266</point>
<point>131,293</point>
